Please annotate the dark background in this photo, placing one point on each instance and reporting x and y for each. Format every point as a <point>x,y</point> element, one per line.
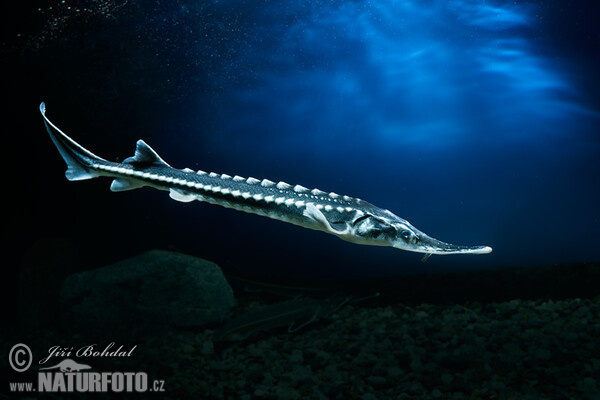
<point>477,122</point>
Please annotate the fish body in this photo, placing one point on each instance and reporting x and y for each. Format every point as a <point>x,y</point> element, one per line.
<point>349,218</point>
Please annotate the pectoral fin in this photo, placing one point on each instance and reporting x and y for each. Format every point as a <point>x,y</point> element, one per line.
<point>312,212</point>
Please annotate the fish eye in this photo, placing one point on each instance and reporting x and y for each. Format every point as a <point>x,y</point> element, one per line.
<point>409,236</point>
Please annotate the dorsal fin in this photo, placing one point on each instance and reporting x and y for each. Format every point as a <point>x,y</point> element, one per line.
<point>146,156</point>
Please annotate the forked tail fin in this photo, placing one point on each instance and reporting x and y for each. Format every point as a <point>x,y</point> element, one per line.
<point>78,159</point>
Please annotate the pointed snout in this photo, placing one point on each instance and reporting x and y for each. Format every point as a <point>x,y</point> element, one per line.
<point>427,244</point>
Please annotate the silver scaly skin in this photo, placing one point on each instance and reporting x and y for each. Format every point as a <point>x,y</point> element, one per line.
<point>351,219</point>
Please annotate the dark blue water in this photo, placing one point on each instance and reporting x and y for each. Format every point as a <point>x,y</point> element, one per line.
<point>479,122</point>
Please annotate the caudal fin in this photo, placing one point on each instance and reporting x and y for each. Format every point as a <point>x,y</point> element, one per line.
<point>78,159</point>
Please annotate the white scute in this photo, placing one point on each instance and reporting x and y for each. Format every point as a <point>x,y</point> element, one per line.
<point>300,189</point>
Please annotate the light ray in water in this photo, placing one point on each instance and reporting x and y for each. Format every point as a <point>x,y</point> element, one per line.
<point>402,74</point>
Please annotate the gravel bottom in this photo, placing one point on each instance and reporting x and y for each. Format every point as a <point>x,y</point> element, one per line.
<point>509,350</point>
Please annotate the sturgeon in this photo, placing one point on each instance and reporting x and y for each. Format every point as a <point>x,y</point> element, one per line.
<point>348,218</point>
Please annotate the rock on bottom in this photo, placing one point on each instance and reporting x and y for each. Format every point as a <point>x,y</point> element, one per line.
<point>154,290</point>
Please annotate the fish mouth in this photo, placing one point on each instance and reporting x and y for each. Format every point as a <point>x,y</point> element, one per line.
<point>427,244</point>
